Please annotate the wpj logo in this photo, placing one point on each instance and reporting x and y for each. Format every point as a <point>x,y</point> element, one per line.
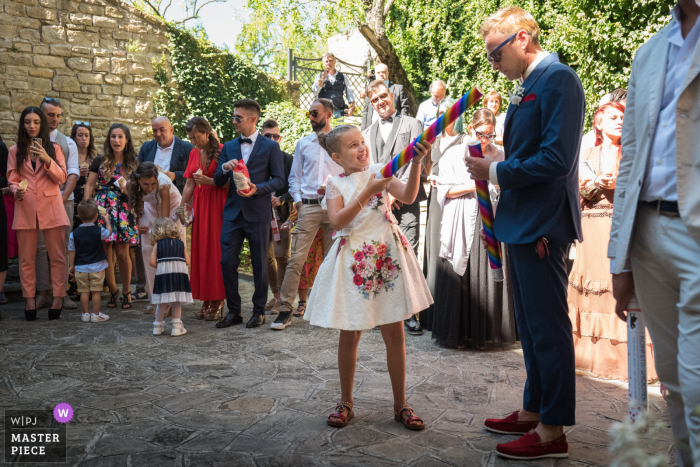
<point>36,435</point>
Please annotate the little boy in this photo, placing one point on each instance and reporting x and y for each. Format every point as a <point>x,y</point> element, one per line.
<point>88,260</point>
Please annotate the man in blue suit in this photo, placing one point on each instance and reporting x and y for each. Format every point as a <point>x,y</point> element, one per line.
<point>167,151</point>
<point>538,216</point>
<point>248,215</point>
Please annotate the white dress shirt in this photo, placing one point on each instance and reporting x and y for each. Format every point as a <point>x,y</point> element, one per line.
<point>541,55</point>
<point>72,158</point>
<point>331,78</point>
<point>163,156</point>
<point>385,128</point>
<point>246,148</point>
<point>92,267</point>
<point>311,166</point>
<point>660,178</point>
<point>427,113</point>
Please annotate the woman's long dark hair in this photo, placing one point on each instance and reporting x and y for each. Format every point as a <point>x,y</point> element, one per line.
<point>130,161</point>
<point>144,170</point>
<point>24,140</point>
<point>201,125</point>
<point>91,151</point>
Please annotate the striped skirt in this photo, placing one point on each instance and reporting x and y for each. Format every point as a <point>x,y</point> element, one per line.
<point>172,283</point>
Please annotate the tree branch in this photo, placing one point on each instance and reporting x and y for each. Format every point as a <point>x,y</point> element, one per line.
<point>387,7</point>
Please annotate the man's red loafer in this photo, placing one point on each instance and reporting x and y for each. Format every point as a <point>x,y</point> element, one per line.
<point>509,425</point>
<point>530,447</point>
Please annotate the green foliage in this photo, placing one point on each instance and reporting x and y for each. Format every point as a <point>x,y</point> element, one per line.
<point>293,123</point>
<point>205,81</point>
<point>438,39</point>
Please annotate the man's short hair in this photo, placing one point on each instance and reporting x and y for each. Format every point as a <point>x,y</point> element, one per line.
<point>618,95</point>
<point>326,103</point>
<point>87,209</point>
<point>375,85</point>
<point>329,54</point>
<point>381,64</point>
<point>509,21</point>
<point>270,123</point>
<point>250,105</point>
<point>51,101</point>
<point>437,81</point>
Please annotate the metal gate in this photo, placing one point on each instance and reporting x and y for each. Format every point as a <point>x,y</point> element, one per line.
<point>305,70</point>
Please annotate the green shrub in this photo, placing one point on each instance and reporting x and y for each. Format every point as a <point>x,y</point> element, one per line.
<point>293,123</point>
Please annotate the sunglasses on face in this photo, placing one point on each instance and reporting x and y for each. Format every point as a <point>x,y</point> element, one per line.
<point>272,136</point>
<point>495,56</point>
<point>49,100</point>
<point>237,119</point>
<point>380,97</point>
<point>82,123</point>
<point>313,113</point>
<point>481,135</point>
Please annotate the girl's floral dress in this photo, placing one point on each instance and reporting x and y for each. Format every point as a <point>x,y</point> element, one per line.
<point>370,276</point>
<point>109,196</point>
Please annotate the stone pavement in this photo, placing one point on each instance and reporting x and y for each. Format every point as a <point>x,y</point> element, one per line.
<point>242,397</point>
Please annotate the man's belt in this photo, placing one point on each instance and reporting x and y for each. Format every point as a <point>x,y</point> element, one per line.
<point>667,208</point>
<point>310,201</point>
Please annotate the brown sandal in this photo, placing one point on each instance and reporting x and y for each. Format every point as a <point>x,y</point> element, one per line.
<point>202,311</point>
<point>338,414</point>
<point>406,422</point>
<point>301,309</point>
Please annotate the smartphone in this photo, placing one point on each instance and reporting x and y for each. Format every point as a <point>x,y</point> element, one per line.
<point>37,141</point>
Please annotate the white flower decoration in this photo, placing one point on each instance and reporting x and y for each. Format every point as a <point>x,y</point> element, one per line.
<point>516,98</point>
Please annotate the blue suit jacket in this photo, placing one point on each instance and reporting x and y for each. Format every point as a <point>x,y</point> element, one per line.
<point>539,177</point>
<point>178,160</point>
<point>266,169</point>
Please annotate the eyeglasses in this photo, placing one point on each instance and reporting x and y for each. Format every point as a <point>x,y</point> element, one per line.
<point>381,97</point>
<point>237,119</point>
<point>273,136</point>
<point>313,113</point>
<point>495,55</point>
<point>50,99</point>
<point>82,123</point>
<point>490,137</point>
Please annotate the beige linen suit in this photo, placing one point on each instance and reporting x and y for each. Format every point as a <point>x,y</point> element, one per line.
<point>663,252</point>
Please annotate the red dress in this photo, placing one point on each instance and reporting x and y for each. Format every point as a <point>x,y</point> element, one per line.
<point>206,278</point>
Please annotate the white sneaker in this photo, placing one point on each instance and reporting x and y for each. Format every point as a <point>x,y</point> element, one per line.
<point>86,317</point>
<point>98,318</point>
<point>158,329</point>
<point>178,329</point>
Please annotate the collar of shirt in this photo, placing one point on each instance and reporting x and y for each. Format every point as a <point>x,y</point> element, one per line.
<point>53,134</point>
<point>541,55</point>
<point>87,224</point>
<point>385,130</point>
<point>168,148</point>
<point>253,137</point>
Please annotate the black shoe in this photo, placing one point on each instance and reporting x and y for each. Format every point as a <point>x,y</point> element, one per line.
<point>30,315</point>
<point>230,320</point>
<point>55,313</point>
<point>257,320</point>
<point>283,320</point>
<point>413,327</point>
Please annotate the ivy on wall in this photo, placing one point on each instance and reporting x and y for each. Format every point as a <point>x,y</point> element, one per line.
<point>438,39</point>
<point>202,80</point>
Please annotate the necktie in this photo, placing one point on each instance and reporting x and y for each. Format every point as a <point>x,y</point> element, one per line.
<point>245,140</point>
<point>389,120</point>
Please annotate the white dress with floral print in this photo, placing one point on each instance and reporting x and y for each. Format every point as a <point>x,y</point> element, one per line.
<point>371,276</point>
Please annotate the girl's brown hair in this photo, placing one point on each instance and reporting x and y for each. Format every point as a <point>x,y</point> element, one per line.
<point>201,125</point>
<point>493,95</point>
<point>129,162</point>
<point>483,117</point>
<point>143,170</point>
<point>164,227</point>
<point>91,150</point>
<point>24,140</point>
<point>331,141</point>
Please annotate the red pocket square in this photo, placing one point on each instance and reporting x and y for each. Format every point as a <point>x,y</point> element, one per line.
<point>529,97</point>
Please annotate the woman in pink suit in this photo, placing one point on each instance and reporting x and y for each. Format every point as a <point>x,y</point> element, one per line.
<point>38,206</point>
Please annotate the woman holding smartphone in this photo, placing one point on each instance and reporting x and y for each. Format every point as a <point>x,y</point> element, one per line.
<point>35,170</point>
<point>107,182</point>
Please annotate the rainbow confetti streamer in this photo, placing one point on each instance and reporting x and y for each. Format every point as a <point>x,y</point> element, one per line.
<point>486,211</point>
<point>429,135</point>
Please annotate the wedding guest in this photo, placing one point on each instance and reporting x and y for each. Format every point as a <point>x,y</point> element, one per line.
<point>3,222</point>
<point>208,201</point>
<point>494,102</point>
<point>538,216</point>
<point>381,72</point>
<point>588,139</point>
<point>107,182</point>
<point>331,84</point>
<point>427,110</point>
<point>81,133</point>
<point>167,151</point>
<point>282,203</point>
<point>39,162</point>
<point>247,214</point>
<point>655,235</point>
<point>53,112</point>
<point>599,336</point>
<point>311,168</point>
<point>152,195</point>
<point>471,309</point>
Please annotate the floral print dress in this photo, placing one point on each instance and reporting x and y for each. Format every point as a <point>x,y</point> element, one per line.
<point>109,196</point>
<point>371,276</point>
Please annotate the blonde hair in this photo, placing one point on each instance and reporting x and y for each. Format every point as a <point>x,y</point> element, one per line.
<point>164,227</point>
<point>331,141</point>
<point>509,21</point>
<point>483,117</point>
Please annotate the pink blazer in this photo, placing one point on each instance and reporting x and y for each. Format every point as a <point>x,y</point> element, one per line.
<point>42,206</point>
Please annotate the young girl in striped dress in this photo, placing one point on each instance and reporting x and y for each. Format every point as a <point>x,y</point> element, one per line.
<point>172,284</point>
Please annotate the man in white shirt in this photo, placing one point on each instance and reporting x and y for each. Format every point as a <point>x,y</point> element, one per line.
<point>427,111</point>
<point>52,110</point>
<point>331,84</point>
<point>307,183</point>
<point>654,245</point>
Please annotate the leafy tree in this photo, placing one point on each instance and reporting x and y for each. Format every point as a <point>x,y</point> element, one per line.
<point>160,8</point>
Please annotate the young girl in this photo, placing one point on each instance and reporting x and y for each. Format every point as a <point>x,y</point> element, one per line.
<point>172,284</point>
<point>371,276</point>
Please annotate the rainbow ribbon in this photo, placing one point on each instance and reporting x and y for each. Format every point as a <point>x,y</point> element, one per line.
<point>429,135</point>
<point>486,211</point>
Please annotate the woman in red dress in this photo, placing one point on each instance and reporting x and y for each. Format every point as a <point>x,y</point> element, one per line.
<point>208,201</point>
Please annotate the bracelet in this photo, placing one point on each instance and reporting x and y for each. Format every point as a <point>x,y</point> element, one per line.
<point>358,202</point>
<point>413,161</point>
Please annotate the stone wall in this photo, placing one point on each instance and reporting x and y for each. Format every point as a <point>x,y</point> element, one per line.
<point>93,55</point>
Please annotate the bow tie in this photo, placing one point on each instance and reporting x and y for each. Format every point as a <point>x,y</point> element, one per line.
<point>389,120</point>
<point>245,140</point>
